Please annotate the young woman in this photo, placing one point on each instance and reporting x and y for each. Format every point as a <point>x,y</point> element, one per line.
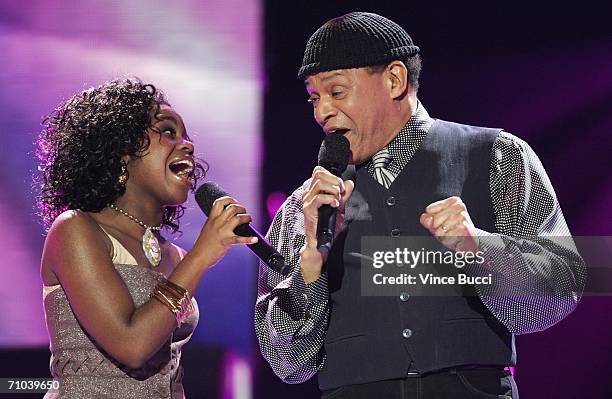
<point>116,165</point>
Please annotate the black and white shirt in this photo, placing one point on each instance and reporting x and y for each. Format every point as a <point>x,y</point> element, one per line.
<point>291,316</point>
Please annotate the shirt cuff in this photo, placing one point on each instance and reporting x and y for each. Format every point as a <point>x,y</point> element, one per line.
<point>304,296</point>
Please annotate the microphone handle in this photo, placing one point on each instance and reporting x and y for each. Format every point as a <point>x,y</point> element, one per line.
<point>263,249</point>
<point>326,225</point>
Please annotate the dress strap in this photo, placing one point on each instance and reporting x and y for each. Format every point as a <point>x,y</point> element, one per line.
<point>47,289</point>
<point>119,255</point>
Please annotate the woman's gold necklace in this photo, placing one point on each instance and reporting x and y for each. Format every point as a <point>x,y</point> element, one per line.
<point>150,244</point>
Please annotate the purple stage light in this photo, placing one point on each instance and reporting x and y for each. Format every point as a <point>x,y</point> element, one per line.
<point>274,202</point>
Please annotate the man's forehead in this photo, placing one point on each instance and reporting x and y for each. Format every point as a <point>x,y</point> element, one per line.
<point>325,76</point>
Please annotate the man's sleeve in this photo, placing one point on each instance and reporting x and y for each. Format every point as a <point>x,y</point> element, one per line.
<point>537,271</point>
<point>291,316</point>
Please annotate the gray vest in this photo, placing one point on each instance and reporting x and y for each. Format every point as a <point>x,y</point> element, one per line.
<point>367,339</point>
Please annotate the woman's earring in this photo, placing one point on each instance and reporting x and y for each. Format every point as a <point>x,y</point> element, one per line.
<point>123,176</point>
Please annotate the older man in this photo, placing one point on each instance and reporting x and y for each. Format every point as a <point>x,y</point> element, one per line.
<point>473,189</point>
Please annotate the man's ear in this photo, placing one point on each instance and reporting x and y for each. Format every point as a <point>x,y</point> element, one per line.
<point>397,79</point>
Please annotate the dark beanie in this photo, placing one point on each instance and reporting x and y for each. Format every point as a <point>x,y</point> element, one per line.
<point>355,40</point>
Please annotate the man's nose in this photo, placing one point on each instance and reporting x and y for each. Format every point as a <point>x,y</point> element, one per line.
<point>324,111</point>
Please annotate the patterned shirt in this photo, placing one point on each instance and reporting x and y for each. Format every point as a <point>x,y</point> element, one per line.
<point>291,317</point>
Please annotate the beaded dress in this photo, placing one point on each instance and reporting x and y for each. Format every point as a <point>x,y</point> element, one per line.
<point>82,367</point>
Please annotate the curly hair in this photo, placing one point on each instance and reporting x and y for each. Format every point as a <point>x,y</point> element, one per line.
<point>83,140</point>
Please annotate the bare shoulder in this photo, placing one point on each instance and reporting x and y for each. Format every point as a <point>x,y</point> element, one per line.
<point>73,234</point>
<point>72,227</point>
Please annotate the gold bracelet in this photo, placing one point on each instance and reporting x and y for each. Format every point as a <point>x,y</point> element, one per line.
<point>166,300</point>
<point>175,298</point>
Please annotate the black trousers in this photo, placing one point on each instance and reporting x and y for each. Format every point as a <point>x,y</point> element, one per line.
<point>479,383</point>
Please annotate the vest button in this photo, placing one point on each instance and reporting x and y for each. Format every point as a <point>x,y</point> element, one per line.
<point>404,296</point>
<point>390,201</point>
<point>407,333</point>
<point>395,232</point>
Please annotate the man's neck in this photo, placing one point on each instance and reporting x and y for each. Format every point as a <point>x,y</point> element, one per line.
<point>405,109</point>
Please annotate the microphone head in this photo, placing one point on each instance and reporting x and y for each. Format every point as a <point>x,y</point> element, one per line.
<point>334,153</point>
<point>207,194</point>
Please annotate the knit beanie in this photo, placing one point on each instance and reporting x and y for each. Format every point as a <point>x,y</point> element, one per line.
<point>355,40</point>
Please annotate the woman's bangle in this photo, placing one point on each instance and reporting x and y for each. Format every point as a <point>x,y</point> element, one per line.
<point>175,298</point>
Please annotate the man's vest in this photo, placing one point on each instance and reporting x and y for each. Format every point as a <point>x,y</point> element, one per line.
<point>378,338</point>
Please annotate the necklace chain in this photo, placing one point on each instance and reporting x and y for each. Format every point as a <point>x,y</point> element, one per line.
<point>133,218</point>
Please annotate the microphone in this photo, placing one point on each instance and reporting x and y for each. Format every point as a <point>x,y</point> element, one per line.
<point>207,193</point>
<point>333,156</point>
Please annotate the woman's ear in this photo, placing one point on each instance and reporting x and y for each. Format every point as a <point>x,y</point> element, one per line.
<point>125,160</point>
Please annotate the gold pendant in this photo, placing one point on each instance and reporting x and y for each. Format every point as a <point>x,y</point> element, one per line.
<point>150,246</point>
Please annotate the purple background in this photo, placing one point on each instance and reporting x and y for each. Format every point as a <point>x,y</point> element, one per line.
<point>542,72</point>
<point>206,57</point>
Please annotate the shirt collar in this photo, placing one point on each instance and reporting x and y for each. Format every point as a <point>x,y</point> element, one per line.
<point>412,132</point>
<point>408,139</point>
